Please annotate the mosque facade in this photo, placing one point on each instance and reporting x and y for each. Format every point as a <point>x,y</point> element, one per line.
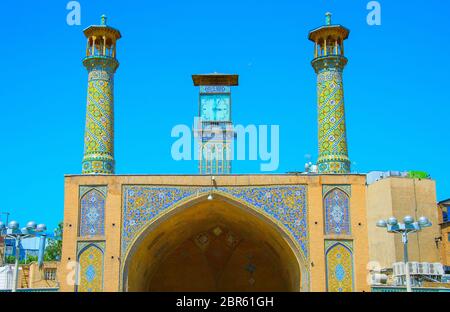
<point>216,231</point>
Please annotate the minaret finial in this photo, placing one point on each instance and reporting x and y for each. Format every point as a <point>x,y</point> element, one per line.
<point>328,18</point>
<point>104,18</point>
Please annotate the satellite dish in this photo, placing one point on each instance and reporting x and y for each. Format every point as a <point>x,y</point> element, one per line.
<point>307,167</point>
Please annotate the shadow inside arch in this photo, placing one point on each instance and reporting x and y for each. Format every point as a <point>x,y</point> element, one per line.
<point>166,232</point>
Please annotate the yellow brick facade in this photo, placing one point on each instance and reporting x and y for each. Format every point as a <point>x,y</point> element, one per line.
<point>113,275</point>
<point>399,197</point>
<point>444,239</point>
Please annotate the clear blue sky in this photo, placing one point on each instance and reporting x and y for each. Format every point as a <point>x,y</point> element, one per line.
<point>396,86</point>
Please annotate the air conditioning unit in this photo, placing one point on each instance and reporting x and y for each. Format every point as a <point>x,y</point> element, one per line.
<point>6,277</point>
<point>432,270</point>
<point>378,279</point>
<point>424,268</point>
<point>440,268</point>
<point>413,268</point>
<point>398,268</point>
<point>436,269</point>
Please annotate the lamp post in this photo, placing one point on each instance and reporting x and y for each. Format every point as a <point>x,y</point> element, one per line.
<point>407,227</point>
<point>13,231</point>
<point>6,214</point>
<point>7,220</point>
<point>213,184</point>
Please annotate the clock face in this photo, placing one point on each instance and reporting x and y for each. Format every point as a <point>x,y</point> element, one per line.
<point>215,107</point>
<point>206,108</point>
<point>222,108</point>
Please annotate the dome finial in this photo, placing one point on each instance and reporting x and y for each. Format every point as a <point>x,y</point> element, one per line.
<point>104,19</point>
<point>328,18</point>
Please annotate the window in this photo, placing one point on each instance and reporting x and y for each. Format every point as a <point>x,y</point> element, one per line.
<point>50,274</point>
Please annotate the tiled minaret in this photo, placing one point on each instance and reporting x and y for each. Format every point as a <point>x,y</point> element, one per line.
<point>101,64</point>
<point>329,63</point>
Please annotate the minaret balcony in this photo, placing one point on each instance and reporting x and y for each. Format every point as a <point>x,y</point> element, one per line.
<point>333,61</point>
<point>99,56</point>
<point>94,61</point>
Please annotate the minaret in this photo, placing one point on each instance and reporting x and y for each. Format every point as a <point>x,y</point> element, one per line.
<point>101,64</point>
<point>329,62</point>
<point>215,136</point>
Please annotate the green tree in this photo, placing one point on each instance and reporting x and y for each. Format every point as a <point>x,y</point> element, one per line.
<point>10,259</point>
<point>54,247</point>
<point>29,259</point>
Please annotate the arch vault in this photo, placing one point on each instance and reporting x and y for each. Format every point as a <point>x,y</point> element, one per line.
<point>213,245</point>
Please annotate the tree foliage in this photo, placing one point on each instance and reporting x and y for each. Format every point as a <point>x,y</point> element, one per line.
<point>54,247</point>
<point>30,258</point>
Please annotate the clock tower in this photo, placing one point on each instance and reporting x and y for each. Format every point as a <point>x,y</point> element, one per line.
<point>215,134</point>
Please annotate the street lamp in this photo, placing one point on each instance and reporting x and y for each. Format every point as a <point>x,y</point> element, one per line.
<point>13,231</point>
<point>213,184</point>
<point>408,226</point>
<point>6,214</point>
<point>7,220</point>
